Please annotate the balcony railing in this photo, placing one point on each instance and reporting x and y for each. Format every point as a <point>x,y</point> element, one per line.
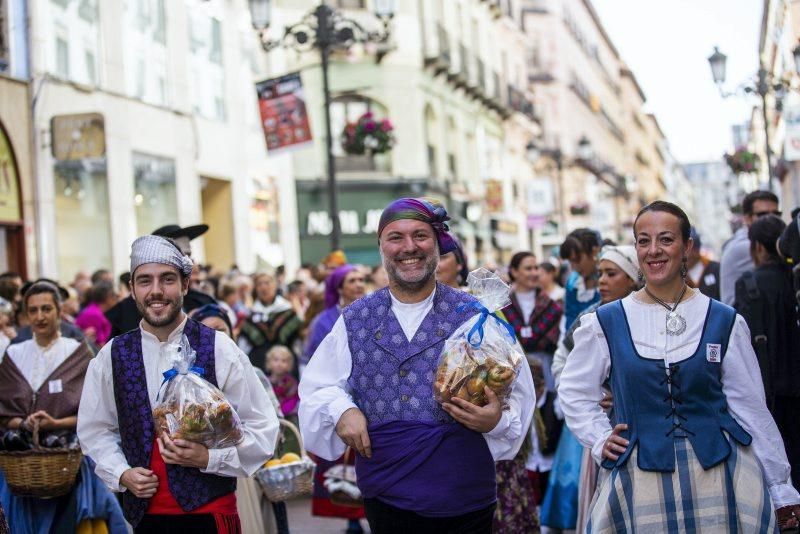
<point>518,102</point>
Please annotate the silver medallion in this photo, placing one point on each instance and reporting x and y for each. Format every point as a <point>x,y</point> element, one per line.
<point>676,324</point>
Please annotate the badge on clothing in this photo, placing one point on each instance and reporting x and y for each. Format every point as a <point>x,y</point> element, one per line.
<point>55,386</point>
<point>713,352</point>
<point>526,332</point>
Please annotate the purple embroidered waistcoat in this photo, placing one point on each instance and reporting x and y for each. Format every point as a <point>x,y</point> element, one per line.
<point>190,487</point>
<point>392,378</point>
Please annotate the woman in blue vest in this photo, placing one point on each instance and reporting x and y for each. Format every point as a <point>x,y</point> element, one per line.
<point>693,445</point>
<point>560,505</point>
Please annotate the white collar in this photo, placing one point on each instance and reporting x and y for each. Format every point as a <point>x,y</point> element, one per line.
<point>172,335</point>
<point>421,304</point>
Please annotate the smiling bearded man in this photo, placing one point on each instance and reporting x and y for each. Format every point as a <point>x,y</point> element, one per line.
<point>422,467</point>
<point>170,485</point>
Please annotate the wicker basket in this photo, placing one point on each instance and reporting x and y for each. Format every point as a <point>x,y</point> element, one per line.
<point>290,481</point>
<point>40,472</point>
<point>344,474</point>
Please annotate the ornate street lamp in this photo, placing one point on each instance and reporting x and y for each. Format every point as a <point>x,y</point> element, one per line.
<point>327,30</point>
<point>763,85</point>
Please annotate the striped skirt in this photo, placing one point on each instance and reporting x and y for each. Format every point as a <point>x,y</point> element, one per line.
<point>731,497</point>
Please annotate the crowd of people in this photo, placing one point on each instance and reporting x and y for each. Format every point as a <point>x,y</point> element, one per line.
<point>660,389</point>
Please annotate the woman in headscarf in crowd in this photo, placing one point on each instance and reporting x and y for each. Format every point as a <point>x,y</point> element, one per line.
<point>452,270</point>
<point>535,318</point>
<point>343,286</point>
<point>766,299</point>
<point>41,380</point>
<point>560,506</point>
<point>691,444</point>
<point>255,512</point>
<point>619,277</point>
<point>272,321</point>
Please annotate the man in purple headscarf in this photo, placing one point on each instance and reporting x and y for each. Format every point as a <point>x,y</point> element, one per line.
<point>421,466</point>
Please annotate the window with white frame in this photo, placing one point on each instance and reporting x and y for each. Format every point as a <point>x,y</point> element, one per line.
<point>146,51</point>
<point>206,66</point>
<point>72,29</point>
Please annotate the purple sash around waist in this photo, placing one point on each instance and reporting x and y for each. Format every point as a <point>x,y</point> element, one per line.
<point>432,469</point>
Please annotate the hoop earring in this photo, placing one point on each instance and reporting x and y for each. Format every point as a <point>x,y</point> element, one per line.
<point>640,276</point>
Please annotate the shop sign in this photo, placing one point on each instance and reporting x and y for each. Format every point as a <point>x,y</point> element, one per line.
<point>540,197</point>
<point>351,222</point>
<point>77,137</point>
<point>282,105</point>
<point>9,180</point>
<point>494,196</point>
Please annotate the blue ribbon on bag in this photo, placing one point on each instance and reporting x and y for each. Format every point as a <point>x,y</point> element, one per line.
<point>172,373</point>
<point>477,328</point>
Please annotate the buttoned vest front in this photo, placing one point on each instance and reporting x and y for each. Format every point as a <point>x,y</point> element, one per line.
<point>683,400</point>
<point>392,377</point>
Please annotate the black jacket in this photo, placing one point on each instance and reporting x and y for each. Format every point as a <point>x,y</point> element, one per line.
<point>709,281</point>
<point>765,298</point>
<point>124,316</point>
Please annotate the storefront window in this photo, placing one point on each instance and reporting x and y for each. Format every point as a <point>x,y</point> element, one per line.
<point>154,192</point>
<point>83,226</point>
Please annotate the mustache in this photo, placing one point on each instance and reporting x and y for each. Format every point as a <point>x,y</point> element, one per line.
<point>401,257</point>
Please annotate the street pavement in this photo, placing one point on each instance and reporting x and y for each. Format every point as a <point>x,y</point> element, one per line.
<point>302,522</point>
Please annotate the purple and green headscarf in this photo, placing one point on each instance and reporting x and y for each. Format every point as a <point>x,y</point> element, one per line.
<point>333,284</point>
<point>428,210</point>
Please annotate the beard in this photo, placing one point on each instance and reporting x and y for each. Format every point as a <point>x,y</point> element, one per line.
<point>411,282</point>
<point>171,311</point>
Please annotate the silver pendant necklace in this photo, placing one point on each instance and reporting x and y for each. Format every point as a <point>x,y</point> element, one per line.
<point>676,324</point>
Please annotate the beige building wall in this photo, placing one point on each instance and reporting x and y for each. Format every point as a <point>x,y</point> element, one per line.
<point>15,117</point>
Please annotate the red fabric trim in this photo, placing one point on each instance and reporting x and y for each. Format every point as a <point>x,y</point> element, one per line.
<point>325,508</point>
<point>163,503</point>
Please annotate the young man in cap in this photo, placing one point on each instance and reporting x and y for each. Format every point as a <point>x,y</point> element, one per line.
<point>125,316</point>
<point>421,466</point>
<point>169,485</point>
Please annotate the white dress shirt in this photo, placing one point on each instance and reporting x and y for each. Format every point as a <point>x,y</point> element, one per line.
<point>37,363</point>
<point>589,363</point>
<point>98,427</point>
<point>325,394</point>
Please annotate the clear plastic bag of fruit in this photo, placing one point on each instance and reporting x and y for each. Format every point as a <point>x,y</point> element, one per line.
<point>482,352</point>
<point>191,408</point>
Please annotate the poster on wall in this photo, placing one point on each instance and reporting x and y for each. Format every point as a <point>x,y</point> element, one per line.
<point>282,105</point>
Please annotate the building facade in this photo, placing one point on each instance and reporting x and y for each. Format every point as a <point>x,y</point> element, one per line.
<point>145,115</point>
<point>712,208</point>
<point>452,82</point>
<point>17,187</point>
<point>586,93</point>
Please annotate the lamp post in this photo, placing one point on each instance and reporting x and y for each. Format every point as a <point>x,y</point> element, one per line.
<point>326,30</point>
<point>763,85</point>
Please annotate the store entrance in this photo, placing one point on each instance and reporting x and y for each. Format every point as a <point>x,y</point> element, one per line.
<point>12,250</point>
<point>218,215</point>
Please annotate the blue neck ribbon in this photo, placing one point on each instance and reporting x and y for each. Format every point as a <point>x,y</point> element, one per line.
<point>172,373</point>
<point>477,328</point>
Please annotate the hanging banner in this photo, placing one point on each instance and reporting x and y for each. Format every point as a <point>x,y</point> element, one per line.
<point>9,180</point>
<point>282,105</point>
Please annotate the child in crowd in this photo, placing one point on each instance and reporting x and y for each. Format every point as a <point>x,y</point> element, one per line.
<point>545,431</point>
<point>280,364</point>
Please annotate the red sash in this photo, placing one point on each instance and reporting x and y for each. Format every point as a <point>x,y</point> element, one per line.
<point>163,503</point>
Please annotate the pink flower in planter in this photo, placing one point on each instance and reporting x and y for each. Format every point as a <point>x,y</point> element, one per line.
<point>370,126</point>
<point>386,126</point>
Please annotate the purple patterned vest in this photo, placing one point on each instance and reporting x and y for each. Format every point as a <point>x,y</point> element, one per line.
<point>392,378</point>
<point>191,488</point>
<point>417,446</point>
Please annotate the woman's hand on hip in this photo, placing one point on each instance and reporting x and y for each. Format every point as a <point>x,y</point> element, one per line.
<point>615,444</point>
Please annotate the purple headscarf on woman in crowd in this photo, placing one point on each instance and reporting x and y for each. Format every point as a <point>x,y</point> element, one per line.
<point>333,284</point>
<point>323,323</point>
